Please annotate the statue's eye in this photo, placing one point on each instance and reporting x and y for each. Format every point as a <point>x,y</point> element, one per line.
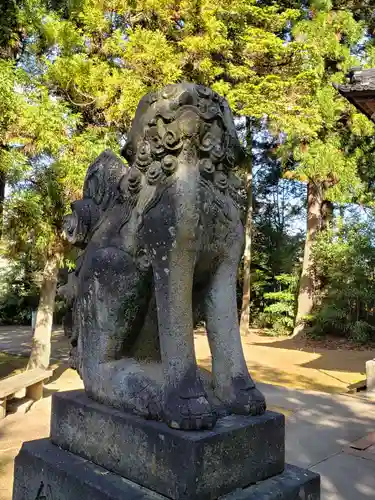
<point>129,151</point>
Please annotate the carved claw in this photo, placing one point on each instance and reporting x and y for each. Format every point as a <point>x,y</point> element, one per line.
<point>242,397</point>
<point>248,401</point>
<point>188,414</point>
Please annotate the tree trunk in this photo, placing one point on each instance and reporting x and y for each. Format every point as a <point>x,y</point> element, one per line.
<point>307,283</point>
<point>2,198</point>
<point>41,345</point>
<point>245,309</point>
<point>326,214</point>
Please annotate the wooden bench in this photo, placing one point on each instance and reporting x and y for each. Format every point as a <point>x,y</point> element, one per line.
<point>31,380</point>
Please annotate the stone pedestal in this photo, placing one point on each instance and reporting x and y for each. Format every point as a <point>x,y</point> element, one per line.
<point>100,453</point>
<point>181,465</point>
<point>43,471</point>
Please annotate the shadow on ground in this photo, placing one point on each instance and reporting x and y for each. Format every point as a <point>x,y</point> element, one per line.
<point>332,355</point>
<point>318,427</point>
<point>11,364</point>
<point>17,340</point>
<point>341,356</point>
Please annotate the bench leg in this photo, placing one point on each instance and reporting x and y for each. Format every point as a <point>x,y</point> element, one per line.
<point>20,394</point>
<point>3,408</point>
<point>35,392</point>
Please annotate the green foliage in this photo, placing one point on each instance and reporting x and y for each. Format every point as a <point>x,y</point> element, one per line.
<point>345,256</point>
<point>86,65</point>
<point>334,43</point>
<point>277,208</point>
<point>102,56</point>
<point>18,292</point>
<point>279,313</point>
<point>72,73</point>
<point>9,100</point>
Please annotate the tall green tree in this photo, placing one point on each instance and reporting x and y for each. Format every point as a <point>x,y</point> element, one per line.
<point>48,157</point>
<point>101,57</point>
<point>87,63</point>
<point>278,212</point>
<point>345,255</point>
<point>13,34</point>
<point>334,42</point>
<point>246,277</point>
<point>44,154</point>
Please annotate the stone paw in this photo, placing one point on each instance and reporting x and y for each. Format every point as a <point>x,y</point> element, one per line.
<point>248,401</point>
<point>189,414</point>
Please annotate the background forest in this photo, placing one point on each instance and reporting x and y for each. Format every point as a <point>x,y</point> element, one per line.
<point>71,75</point>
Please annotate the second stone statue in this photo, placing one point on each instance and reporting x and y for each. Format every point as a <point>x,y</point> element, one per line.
<point>161,241</point>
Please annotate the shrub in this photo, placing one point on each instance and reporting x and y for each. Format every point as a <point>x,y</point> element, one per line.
<point>279,313</point>
<point>345,268</point>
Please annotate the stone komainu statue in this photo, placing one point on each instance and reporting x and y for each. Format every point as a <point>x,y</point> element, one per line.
<point>162,240</point>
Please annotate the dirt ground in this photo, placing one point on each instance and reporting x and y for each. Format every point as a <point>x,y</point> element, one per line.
<point>328,366</point>
<point>316,366</point>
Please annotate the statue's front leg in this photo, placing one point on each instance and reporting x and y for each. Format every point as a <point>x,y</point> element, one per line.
<point>185,403</point>
<point>173,255</point>
<point>232,381</point>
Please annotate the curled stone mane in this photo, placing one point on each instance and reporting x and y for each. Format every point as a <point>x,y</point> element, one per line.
<point>181,117</point>
<point>165,119</point>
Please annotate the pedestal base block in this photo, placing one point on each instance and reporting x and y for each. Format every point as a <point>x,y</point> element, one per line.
<point>202,465</point>
<point>45,472</point>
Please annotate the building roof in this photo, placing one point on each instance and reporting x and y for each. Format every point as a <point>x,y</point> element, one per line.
<point>360,90</point>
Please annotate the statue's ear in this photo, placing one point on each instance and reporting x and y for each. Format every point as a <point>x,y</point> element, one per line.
<point>122,185</point>
<point>91,186</point>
